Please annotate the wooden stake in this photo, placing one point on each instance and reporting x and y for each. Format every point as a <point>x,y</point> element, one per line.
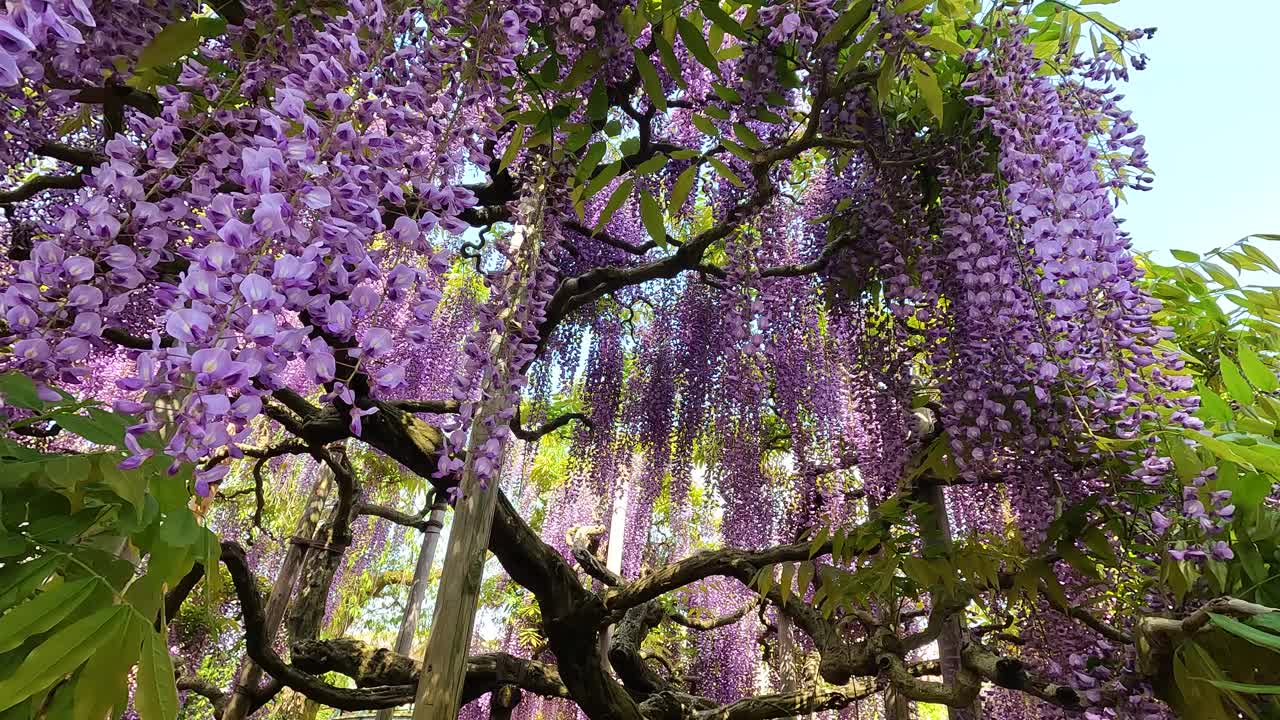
<point>418,590</point>
<point>444,666</point>
<point>613,555</point>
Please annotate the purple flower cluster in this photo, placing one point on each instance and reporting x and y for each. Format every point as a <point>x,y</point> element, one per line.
<point>30,26</point>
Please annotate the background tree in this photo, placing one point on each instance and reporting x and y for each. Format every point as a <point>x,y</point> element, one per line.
<point>832,294</point>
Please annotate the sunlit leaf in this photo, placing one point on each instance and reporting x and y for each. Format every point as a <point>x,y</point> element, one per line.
<point>651,216</point>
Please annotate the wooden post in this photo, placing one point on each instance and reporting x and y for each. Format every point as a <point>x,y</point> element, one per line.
<point>950,642</point>
<point>418,590</point>
<point>613,555</point>
<point>444,665</point>
<point>250,674</point>
<point>787,670</point>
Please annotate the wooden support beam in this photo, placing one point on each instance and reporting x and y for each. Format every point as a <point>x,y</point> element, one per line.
<point>418,590</point>
<point>444,665</point>
<point>613,555</point>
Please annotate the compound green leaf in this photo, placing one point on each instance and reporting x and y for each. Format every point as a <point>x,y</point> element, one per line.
<point>61,654</point>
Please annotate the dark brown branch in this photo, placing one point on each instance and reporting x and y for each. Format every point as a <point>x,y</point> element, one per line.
<point>435,407</point>
<point>961,693</point>
<point>292,447</point>
<point>793,704</point>
<point>35,431</point>
<point>123,338</point>
<point>261,651</point>
<point>1106,630</point>
<point>610,240</point>
<point>68,154</point>
<point>530,435</point>
<point>371,667</point>
<point>39,184</point>
<point>214,694</point>
<point>583,542</point>
<point>119,96</point>
<point>179,593</point>
<point>728,562</point>
<point>624,648</point>
<point>828,251</point>
<point>231,10</point>
<point>1012,674</point>
<point>419,521</point>
<point>680,618</point>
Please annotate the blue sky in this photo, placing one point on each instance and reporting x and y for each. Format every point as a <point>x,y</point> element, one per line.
<point>1209,104</point>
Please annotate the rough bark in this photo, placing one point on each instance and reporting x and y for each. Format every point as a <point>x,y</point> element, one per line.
<point>371,666</point>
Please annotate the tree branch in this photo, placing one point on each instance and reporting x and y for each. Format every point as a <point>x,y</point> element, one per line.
<point>371,666</point>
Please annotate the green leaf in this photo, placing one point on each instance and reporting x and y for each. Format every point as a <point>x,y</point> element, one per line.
<point>684,185</point>
<point>1254,369</point>
<point>711,9</point>
<point>1234,381</point>
<point>582,70</point>
<point>1269,621</point>
<point>1212,406</point>
<point>945,44</point>
<point>692,37</point>
<point>857,52</point>
<point>88,429</point>
<point>737,150</point>
<point>103,683</point>
<point>43,612</point>
<point>1260,257</point>
<point>17,582</point>
<point>927,83</point>
<point>598,103</point>
<point>747,137</point>
<point>848,21</point>
<point>884,80</point>
<point>717,112</point>
<point>1097,541</point>
<point>785,581</point>
<point>651,214</point>
<point>649,77</point>
<point>130,487</point>
<point>705,125</point>
<point>180,529</point>
<point>18,389</point>
<point>804,576</point>
<point>764,579</point>
<point>652,165</point>
<point>513,147</point>
<point>616,199</point>
<point>1244,687</point>
<point>60,654</point>
<point>590,159</point>
<point>667,55</point>
<point>726,93</point>
<point>156,696</point>
<point>1185,256</point>
<point>598,183</point>
<point>1258,637</point>
<point>178,39</point>
<point>1220,275</point>
<point>818,539</point>
<point>725,172</point>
